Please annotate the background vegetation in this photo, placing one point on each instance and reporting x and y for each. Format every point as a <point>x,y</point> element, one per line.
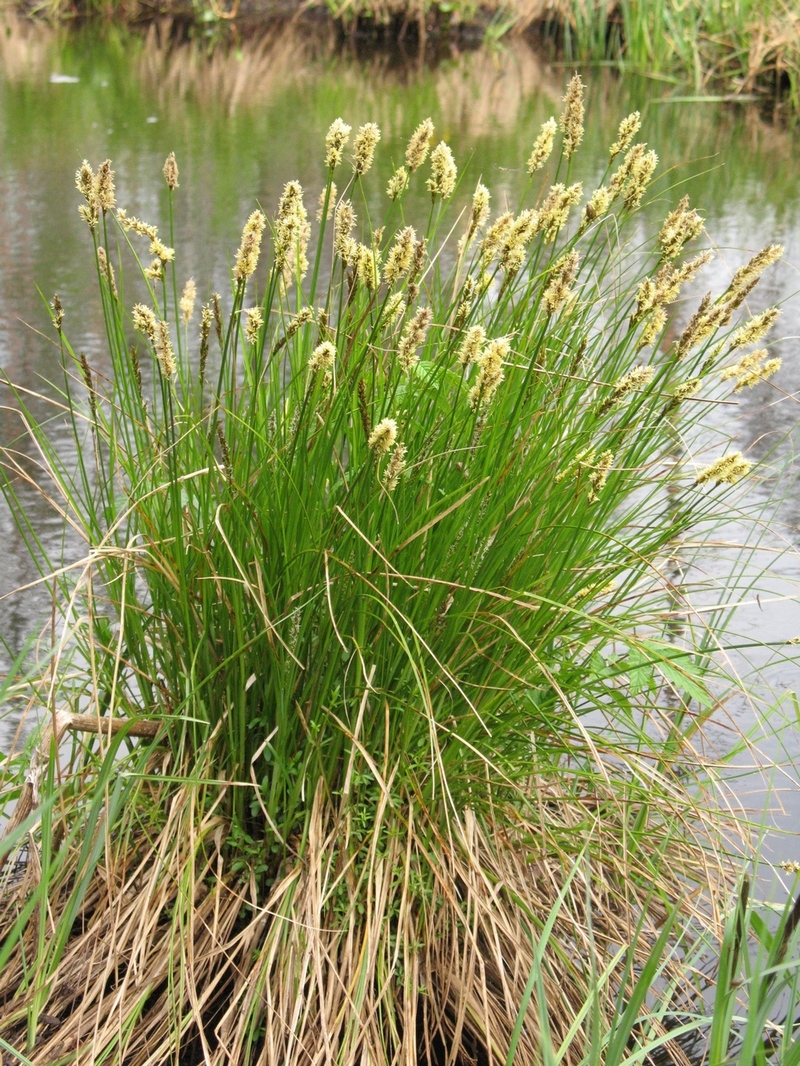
<point>735,47</point>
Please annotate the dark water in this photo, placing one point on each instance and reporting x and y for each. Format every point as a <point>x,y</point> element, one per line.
<point>245,120</point>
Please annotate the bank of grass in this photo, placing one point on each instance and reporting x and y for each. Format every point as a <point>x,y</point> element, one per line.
<point>737,47</point>
<point>373,706</point>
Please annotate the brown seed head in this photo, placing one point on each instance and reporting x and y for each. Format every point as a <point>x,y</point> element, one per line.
<point>104,187</point>
<point>170,171</point>
<point>58,312</point>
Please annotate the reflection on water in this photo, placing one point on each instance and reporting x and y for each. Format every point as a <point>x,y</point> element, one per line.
<point>244,120</point>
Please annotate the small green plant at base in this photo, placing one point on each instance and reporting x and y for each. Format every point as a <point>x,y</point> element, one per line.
<point>376,546</point>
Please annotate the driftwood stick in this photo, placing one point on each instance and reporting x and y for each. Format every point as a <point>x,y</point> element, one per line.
<point>57,726</point>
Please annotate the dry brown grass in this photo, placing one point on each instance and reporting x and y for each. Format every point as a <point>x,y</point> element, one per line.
<point>398,945</point>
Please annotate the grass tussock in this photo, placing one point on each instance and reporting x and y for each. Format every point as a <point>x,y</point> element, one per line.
<point>382,545</point>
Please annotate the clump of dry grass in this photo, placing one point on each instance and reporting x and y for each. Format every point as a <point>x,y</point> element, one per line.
<point>409,942</point>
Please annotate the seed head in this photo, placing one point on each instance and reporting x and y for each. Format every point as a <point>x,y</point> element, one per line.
<point>129,222</point>
<point>418,146</point>
<point>104,187</point>
<point>490,245</point>
<point>303,316</point>
<point>322,358</point>
<point>413,337</point>
<point>253,321</point>
<point>217,308</point>
<point>515,241</point>
<point>557,291</point>
<point>640,176</point>
<point>395,308</point>
<point>292,234</point>
<point>680,227</point>
<point>555,209</point>
<point>584,458</point>
<point>465,302</point>
<point>170,171</point>
<point>161,251</point>
<point>164,350</point>
<point>572,118</point>
<point>748,275</point>
<point>684,391</point>
<point>480,209</point>
<point>343,221</point>
<point>490,374</point>
<point>653,328</point>
<point>383,436</point>
<point>187,301</point>
<point>725,471</point>
<point>634,379</point>
<point>400,256</point>
<point>706,320</point>
<point>670,280</point>
<point>542,146</point>
<point>206,318</point>
<point>331,202</point>
<point>598,204</point>
<point>367,264</point>
<point>250,247</point>
<point>751,369</point>
<point>364,147</point>
<point>417,265</point>
<point>472,346</point>
<point>395,467</point>
<point>86,185</point>
<point>106,270</point>
<point>444,172</point>
<point>155,271</point>
<point>628,129</point>
<point>398,183</point>
<point>599,475</point>
<point>754,330</point>
<point>335,141</point>
<point>58,312</point>
<point>622,175</point>
<point>144,321</point>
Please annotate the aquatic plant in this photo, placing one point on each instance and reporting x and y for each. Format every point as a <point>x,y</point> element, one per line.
<point>382,729</point>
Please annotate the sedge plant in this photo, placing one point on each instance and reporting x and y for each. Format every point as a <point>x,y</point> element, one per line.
<point>370,737</point>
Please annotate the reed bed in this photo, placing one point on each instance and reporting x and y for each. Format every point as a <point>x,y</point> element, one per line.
<point>375,705</point>
<point>743,47</point>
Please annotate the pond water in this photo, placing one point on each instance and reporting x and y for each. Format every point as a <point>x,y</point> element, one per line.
<point>243,121</point>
